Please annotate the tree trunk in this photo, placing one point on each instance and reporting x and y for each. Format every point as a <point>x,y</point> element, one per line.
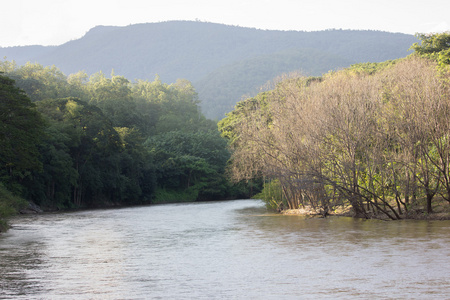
<point>429,207</point>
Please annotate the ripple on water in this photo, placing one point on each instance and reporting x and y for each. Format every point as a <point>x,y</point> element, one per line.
<point>221,250</point>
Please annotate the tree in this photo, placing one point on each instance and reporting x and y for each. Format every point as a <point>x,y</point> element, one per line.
<point>434,46</point>
<point>113,97</point>
<point>93,151</point>
<point>84,134</point>
<point>137,168</point>
<point>376,139</point>
<point>52,187</point>
<point>10,204</point>
<point>40,82</point>
<point>192,161</point>
<point>21,131</point>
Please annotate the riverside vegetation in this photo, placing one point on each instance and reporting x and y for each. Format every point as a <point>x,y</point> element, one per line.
<point>223,62</point>
<point>373,137</point>
<point>77,141</point>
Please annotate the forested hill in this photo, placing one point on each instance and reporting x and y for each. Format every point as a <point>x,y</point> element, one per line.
<point>223,62</point>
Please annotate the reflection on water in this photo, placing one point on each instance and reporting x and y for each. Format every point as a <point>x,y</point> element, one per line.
<point>221,250</point>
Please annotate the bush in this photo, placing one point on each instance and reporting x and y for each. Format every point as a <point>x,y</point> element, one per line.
<point>9,205</point>
<point>271,195</point>
<point>173,196</point>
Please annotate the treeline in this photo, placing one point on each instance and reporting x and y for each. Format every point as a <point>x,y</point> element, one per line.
<point>78,141</point>
<point>223,62</point>
<point>374,137</point>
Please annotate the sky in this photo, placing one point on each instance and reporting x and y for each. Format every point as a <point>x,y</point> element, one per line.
<point>54,22</point>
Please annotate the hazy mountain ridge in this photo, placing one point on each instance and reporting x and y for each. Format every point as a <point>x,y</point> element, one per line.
<point>23,54</point>
<point>245,78</point>
<point>208,54</point>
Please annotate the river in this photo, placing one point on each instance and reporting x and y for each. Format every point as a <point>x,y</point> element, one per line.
<point>221,250</point>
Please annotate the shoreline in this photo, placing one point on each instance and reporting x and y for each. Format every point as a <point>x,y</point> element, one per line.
<point>347,212</point>
<point>441,212</point>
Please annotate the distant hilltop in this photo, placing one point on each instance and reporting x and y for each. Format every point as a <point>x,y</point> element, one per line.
<point>223,62</point>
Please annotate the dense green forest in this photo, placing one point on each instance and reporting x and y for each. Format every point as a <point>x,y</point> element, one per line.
<point>79,141</point>
<point>373,137</point>
<point>222,62</point>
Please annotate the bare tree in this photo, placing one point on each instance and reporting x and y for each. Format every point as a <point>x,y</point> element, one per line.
<point>376,142</point>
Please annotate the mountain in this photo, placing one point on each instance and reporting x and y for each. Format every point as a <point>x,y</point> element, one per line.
<point>223,62</point>
<point>23,54</point>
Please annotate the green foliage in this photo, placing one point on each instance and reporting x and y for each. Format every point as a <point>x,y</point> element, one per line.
<point>432,43</point>
<point>271,195</point>
<point>371,68</point>
<point>434,46</point>
<point>224,62</point>
<point>113,97</point>
<point>115,143</point>
<point>163,195</point>
<point>96,163</point>
<point>21,130</point>
<point>192,160</point>
<point>41,82</point>
<point>227,126</point>
<point>9,205</point>
<point>171,107</point>
<point>53,186</point>
<point>137,167</point>
<point>373,136</point>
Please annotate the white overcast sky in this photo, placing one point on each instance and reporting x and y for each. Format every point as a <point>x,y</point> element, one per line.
<point>54,22</point>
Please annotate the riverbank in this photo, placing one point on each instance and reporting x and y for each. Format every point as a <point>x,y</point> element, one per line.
<point>309,211</point>
<point>441,211</point>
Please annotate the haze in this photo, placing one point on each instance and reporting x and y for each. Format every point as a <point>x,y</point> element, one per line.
<point>54,22</point>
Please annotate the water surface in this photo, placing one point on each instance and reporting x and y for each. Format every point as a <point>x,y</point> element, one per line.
<point>221,250</point>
